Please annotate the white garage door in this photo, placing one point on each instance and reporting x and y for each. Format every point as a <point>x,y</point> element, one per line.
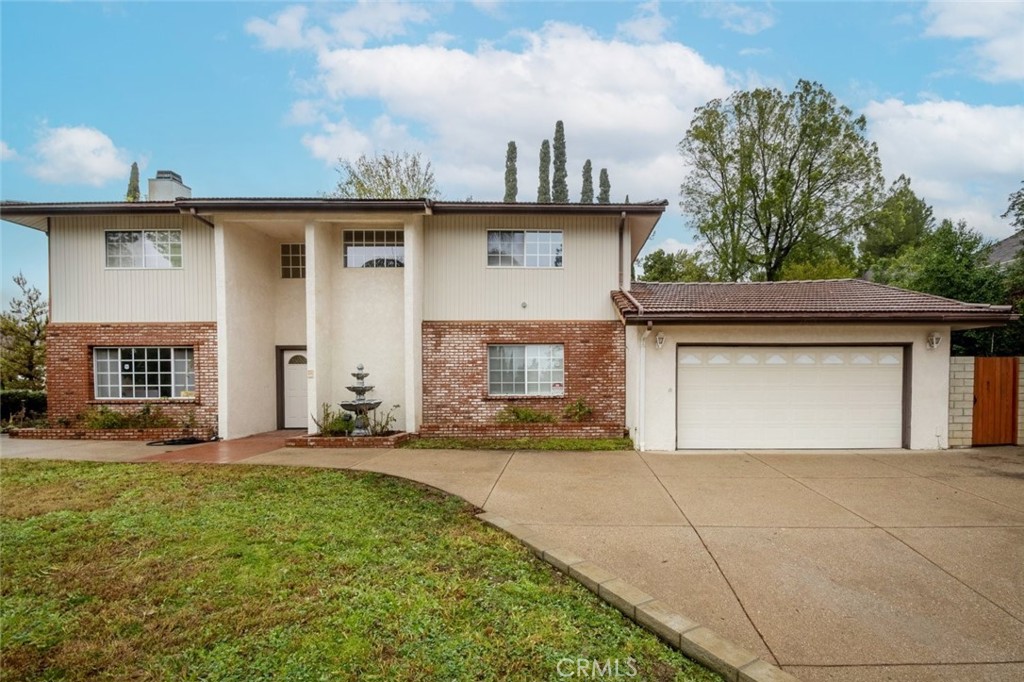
<point>789,397</point>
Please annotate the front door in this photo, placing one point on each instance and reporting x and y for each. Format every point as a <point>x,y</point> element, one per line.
<point>294,393</point>
<point>995,401</point>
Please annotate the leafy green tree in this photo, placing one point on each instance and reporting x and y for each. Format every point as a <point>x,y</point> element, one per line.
<point>544,183</point>
<point>902,221</point>
<point>605,185</point>
<point>387,175</point>
<point>23,339</point>
<point>133,194</point>
<point>682,266</point>
<point>587,193</point>
<point>560,181</point>
<point>1015,211</point>
<point>511,174</point>
<point>770,171</point>
<point>952,261</point>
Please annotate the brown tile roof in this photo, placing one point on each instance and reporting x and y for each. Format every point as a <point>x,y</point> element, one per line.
<point>824,300</point>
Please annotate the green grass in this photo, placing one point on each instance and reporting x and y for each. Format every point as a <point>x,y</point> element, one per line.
<point>588,444</point>
<point>191,572</point>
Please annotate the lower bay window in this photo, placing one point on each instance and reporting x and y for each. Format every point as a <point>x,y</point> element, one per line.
<point>526,369</point>
<point>140,372</point>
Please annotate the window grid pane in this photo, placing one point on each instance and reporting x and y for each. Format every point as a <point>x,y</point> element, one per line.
<point>536,369</point>
<point>293,261</point>
<point>524,248</point>
<point>156,249</point>
<point>374,249</point>
<point>143,372</point>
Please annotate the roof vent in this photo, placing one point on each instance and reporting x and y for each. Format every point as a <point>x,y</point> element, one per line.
<point>167,186</point>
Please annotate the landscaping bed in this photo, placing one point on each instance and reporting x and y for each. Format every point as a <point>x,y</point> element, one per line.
<point>393,440</point>
<point>81,433</point>
<point>192,572</point>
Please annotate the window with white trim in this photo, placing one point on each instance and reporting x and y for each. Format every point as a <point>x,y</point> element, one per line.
<point>150,249</point>
<point>143,372</point>
<point>374,249</point>
<point>293,261</point>
<point>524,248</point>
<point>526,369</point>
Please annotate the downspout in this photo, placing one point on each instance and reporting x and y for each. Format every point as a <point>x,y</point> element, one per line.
<point>192,212</point>
<point>641,405</point>
<point>622,231</point>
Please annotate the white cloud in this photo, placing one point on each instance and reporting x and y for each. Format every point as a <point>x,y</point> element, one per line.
<point>647,25</point>
<point>997,29</point>
<point>962,159</point>
<point>345,140</point>
<point>356,26</point>
<point>77,155</point>
<point>742,18</point>
<point>285,32</point>
<point>7,153</point>
<point>672,245</point>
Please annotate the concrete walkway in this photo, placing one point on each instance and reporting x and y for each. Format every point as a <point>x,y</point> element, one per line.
<point>846,566</point>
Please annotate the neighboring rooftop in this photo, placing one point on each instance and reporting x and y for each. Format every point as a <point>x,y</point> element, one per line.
<point>1006,250</point>
<point>849,300</point>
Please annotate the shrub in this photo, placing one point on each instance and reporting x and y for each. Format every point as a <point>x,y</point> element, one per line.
<point>148,417</point>
<point>14,400</point>
<point>380,423</point>
<point>578,411</point>
<point>524,415</point>
<point>334,422</point>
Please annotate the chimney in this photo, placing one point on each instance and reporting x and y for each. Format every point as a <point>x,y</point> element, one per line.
<point>167,186</point>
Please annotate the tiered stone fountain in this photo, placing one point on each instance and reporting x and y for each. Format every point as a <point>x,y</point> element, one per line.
<point>360,406</point>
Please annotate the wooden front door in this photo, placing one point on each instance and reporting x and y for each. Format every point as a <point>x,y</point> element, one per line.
<point>995,401</point>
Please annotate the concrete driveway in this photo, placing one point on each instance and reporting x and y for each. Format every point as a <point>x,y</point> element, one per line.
<point>872,565</point>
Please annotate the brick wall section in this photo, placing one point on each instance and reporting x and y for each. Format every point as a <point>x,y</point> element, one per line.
<point>69,376</point>
<point>961,402</point>
<point>103,434</point>
<point>455,397</point>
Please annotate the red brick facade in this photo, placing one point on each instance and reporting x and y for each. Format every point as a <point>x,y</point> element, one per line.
<point>70,382</point>
<point>455,387</point>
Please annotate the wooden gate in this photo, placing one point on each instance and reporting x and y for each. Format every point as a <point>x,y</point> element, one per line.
<point>995,401</point>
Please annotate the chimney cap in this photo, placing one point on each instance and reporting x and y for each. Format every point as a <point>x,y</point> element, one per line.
<point>168,175</point>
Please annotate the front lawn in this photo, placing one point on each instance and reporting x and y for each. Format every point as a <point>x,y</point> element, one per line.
<point>122,571</point>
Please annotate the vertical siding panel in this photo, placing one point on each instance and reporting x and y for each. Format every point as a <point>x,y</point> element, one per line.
<point>85,291</point>
<point>459,285</point>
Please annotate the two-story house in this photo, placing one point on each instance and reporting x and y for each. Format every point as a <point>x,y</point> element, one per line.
<point>246,314</point>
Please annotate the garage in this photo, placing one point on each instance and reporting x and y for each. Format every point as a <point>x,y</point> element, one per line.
<point>789,397</point>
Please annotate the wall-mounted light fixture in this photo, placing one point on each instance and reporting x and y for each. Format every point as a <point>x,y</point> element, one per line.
<point>934,339</point>
<point>659,340</point>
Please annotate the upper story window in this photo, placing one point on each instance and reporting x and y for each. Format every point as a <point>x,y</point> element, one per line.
<point>374,249</point>
<point>293,261</point>
<point>156,249</point>
<point>524,248</point>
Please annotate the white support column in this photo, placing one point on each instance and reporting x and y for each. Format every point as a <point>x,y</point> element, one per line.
<point>315,296</point>
<point>413,323</point>
<point>221,279</point>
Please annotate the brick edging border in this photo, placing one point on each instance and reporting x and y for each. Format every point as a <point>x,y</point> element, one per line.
<point>696,641</point>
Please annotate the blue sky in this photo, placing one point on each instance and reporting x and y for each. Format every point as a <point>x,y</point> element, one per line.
<point>260,99</point>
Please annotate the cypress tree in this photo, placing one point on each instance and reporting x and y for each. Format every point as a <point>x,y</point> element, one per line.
<point>544,187</point>
<point>133,193</point>
<point>560,181</point>
<point>606,188</point>
<point>587,195</point>
<point>511,179</point>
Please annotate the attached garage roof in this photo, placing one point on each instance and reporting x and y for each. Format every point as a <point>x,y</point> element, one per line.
<point>838,300</point>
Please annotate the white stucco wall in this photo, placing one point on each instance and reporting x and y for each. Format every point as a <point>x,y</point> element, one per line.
<point>247,273</point>
<point>656,426</point>
<point>290,311</point>
<point>368,328</point>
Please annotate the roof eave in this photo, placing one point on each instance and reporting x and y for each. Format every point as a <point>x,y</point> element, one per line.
<point>959,320</point>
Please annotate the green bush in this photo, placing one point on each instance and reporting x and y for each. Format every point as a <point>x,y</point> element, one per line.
<point>148,417</point>
<point>334,422</point>
<point>13,400</point>
<point>578,411</point>
<point>524,415</point>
